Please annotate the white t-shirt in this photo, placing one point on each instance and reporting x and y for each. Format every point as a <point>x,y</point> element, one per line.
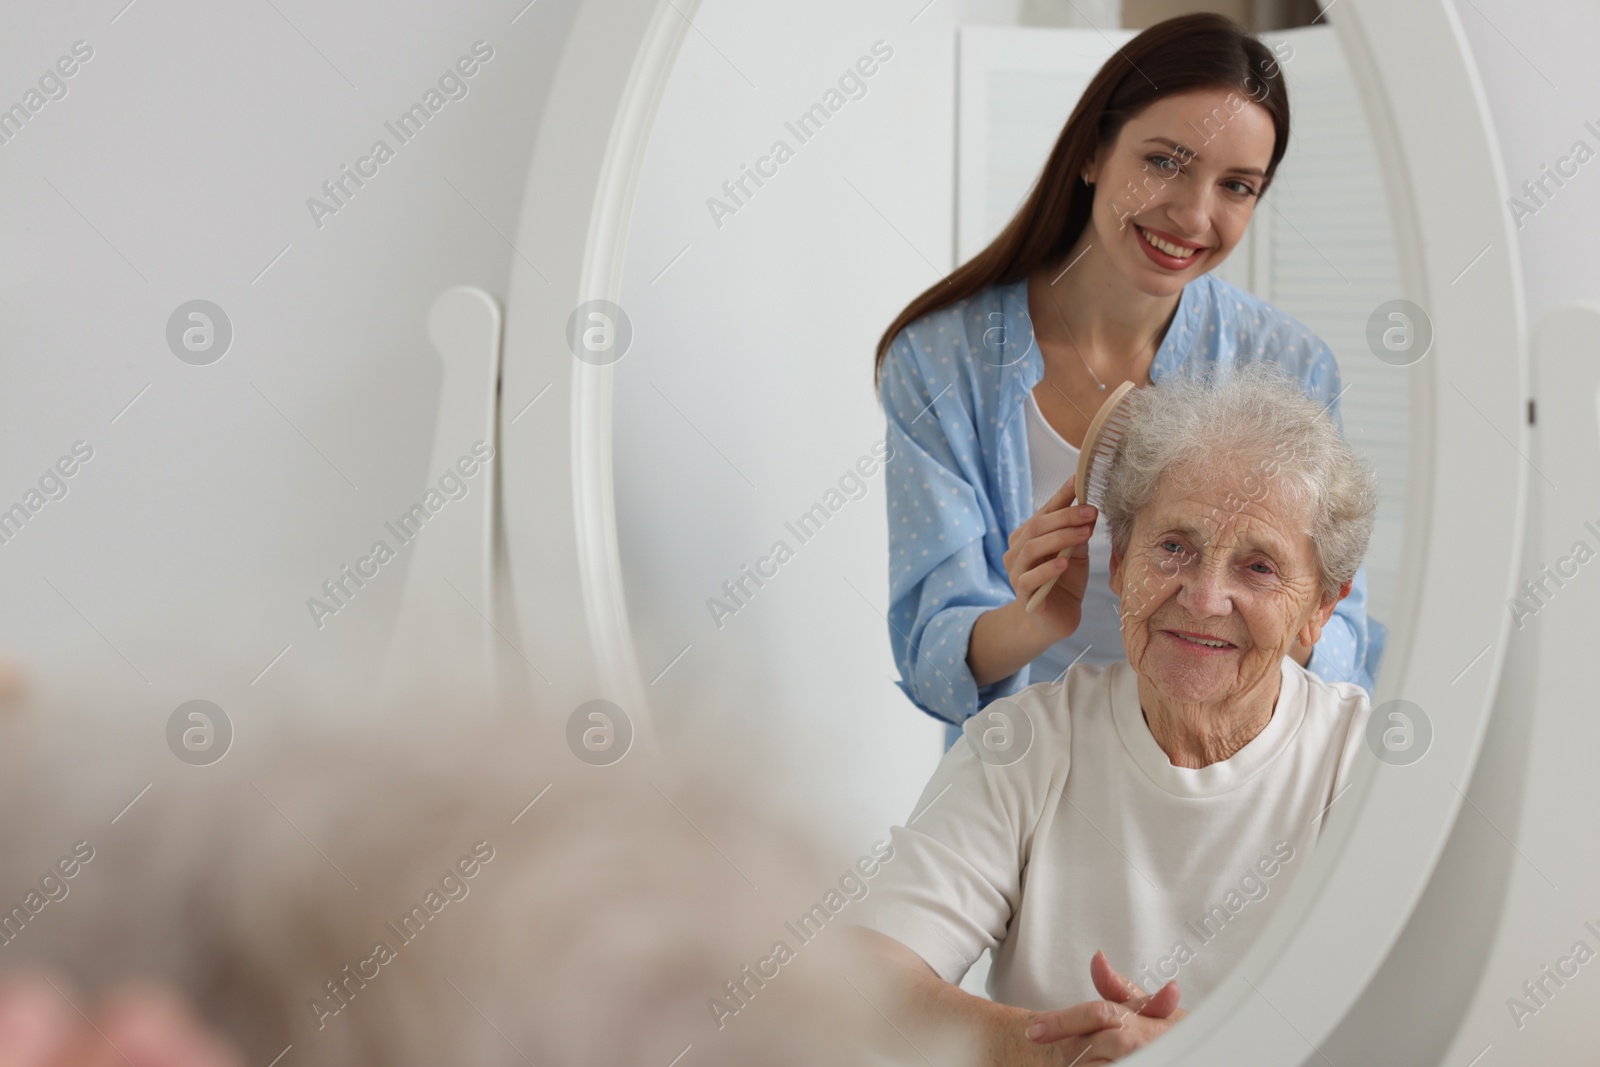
<point>1170,870</point>
<point>1098,638</point>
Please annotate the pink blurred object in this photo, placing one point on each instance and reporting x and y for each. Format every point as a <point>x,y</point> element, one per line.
<point>42,1025</point>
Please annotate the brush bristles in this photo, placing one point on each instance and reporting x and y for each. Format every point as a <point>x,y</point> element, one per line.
<point>1105,447</point>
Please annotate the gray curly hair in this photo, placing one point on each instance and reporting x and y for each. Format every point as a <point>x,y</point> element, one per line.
<point>592,929</point>
<point>1258,418</point>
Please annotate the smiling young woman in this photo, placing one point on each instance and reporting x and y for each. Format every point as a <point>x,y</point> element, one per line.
<point>990,378</point>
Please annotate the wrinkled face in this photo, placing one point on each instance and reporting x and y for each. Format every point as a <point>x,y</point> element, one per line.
<point>1217,558</point>
<point>1176,190</point>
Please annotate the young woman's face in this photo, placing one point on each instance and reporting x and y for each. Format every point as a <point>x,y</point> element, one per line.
<point>1174,193</point>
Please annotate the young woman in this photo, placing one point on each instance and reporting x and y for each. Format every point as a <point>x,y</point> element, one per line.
<point>990,378</point>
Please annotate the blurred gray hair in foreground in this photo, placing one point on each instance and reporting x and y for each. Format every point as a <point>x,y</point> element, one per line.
<point>604,908</point>
<point>1252,424</point>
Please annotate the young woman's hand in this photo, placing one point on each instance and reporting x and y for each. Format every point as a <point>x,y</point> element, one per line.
<point>1032,559</point>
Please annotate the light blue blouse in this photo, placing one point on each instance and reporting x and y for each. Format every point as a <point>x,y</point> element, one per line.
<point>958,481</point>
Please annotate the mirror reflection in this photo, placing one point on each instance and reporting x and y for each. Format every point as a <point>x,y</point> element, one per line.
<point>1142,762</point>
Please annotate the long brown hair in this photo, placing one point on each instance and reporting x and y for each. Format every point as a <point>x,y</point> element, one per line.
<point>1189,52</point>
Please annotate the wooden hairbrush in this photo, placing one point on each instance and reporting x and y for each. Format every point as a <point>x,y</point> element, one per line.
<point>1094,460</point>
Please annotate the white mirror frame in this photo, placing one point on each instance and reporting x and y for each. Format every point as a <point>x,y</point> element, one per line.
<point>1463,532</point>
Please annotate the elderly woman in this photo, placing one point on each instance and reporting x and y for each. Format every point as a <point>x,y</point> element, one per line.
<point>439,889</point>
<point>1155,808</point>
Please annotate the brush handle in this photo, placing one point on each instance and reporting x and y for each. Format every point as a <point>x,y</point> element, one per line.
<point>1044,590</point>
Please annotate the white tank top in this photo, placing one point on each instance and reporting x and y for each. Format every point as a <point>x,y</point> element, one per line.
<point>1098,638</point>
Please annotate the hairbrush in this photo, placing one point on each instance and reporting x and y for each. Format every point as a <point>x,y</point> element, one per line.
<point>1106,431</point>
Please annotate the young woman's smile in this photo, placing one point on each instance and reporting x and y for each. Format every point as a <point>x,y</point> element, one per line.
<point>1166,251</point>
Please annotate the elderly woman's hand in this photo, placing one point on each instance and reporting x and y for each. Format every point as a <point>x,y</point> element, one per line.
<point>1032,559</point>
<point>1101,1031</point>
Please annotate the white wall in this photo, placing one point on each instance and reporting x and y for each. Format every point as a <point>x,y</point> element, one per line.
<point>748,391</point>
<point>178,166</point>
